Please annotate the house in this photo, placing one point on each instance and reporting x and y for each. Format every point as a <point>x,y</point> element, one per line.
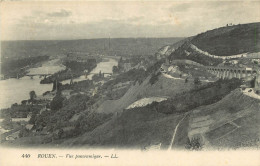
<point>66,93</point>
<point>23,119</point>
<point>175,72</point>
<point>164,68</point>
<point>29,126</point>
<point>173,69</point>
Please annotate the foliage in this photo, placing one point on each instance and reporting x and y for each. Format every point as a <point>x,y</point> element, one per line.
<point>154,68</point>
<point>115,69</point>
<point>32,96</point>
<point>56,85</point>
<point>84,85</point>
<point>154,78</point>
<point>193,56</point>
<point>252,82</point>
<point>81,66</point>
<point>56,103</point>
<point>7,123</point>
<point>194,144</point>
<point>33,118</point>
<point>24,132</point>
<point>131,75</point>
<point>97,77</point>
<point>203,95</point>
<point>197,81</point>
<point>163,107</point>
<point>88,122</point>
<point>230,40</point>
<point>9,66</point>
<point>73,69</point>
<point>20,111</point>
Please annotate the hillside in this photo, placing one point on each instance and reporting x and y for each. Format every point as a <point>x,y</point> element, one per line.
<point>144,126</point>
<point>230,40</point>
<point>176,100</point>
<point>227,124</point>
<point>131,128</point>
<point>168,49</point>
<point>163,87</point>
<point>211,47</point>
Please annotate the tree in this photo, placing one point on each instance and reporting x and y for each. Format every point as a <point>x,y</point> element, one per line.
<point>197,81</point>
<point>24,133</point>
<point>252,82</point>
<point>115,69</point>
<point>194,144</point>
<point>56,85</point>
<point>7,122</point>
<point>32,96</point>
<point>33,119</point>
<point>56,103</point>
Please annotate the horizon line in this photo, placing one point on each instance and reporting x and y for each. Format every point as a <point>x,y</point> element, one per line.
<point>92,38</point>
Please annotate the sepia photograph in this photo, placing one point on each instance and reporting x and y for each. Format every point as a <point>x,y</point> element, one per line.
<point>129,75</point>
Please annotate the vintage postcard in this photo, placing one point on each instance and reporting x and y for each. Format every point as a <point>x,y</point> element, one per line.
<point>130,83</point>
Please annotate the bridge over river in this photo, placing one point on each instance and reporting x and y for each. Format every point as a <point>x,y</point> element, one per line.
<point>45,75</point>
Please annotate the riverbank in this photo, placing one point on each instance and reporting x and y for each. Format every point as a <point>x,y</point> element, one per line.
<point>17,120</point>
<point>20,88</point>
<point>74,69</point>
<point>18,68</point>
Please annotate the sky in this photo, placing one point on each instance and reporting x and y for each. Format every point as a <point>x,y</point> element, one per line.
<point>85,20</point>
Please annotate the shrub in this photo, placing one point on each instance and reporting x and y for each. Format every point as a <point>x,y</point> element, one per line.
<point>24,133</point>
<point>56,103</point>
<point>197,81</point>
<point>154,78</point>
<point>193,144</point>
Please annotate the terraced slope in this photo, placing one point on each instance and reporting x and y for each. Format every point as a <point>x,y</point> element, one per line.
<point>221,124</point>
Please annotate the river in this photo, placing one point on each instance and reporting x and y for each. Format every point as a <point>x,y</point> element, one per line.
<point>15,90</point>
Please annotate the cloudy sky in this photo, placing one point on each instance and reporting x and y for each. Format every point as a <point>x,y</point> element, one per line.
<point>70,20</point>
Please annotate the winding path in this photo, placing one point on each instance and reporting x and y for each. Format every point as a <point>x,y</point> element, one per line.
<point>175,131</point>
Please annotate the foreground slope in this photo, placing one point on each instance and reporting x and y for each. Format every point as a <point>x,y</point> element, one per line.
<point>233,122</point>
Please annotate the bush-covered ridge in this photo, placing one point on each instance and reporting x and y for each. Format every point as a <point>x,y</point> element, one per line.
<point>230,40</point>
<point>203,95</point>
